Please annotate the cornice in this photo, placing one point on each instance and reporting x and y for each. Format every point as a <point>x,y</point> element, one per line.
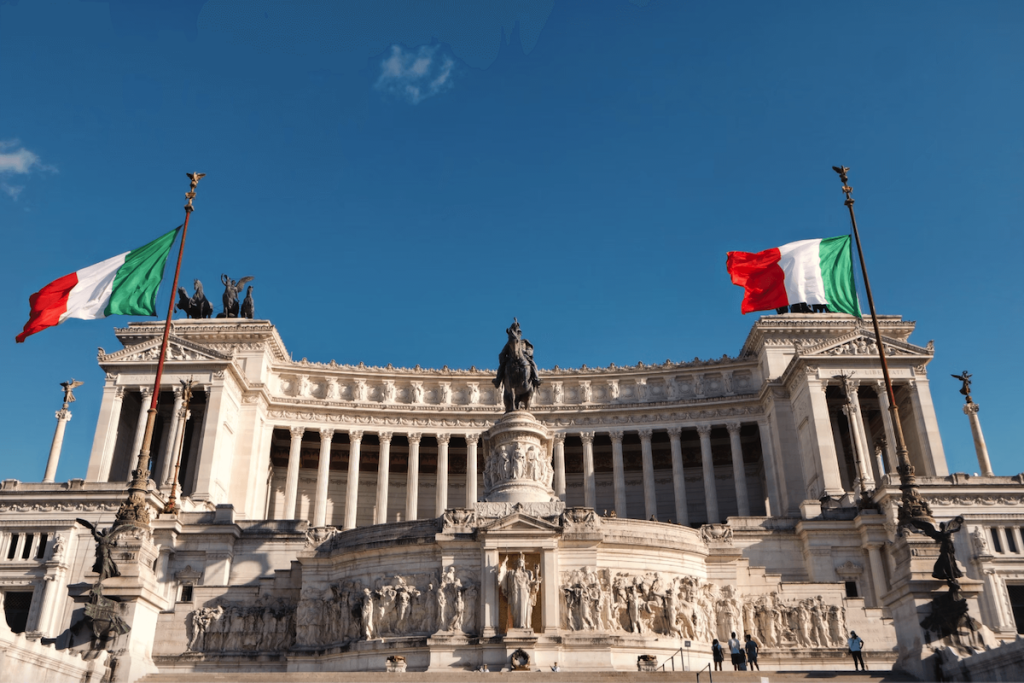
<point>816,324</point>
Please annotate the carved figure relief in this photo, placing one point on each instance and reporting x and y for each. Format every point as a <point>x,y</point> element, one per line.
<point>266,626</point>
<point>520,586</point>
<point>517,461</point>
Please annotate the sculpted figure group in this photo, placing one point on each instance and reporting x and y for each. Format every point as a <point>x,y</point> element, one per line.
<point>688,607</point>
<point>199,307</point>
<point>399,605</point>
<point>267,626</point>
<point>517,461</point>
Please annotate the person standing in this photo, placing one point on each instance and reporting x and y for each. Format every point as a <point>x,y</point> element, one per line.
<point>734,648</point>
<point>751,648</point>
<point>716,654</point>
<point>856,646</point>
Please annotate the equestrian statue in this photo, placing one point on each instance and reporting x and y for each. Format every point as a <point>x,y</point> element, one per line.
<point>517,372</point>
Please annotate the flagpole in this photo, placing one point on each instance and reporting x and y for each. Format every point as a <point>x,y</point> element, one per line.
<point>134,510</point>
<point>913,507</point>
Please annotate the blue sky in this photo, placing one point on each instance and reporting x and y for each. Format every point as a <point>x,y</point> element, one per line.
<point>402,178</point>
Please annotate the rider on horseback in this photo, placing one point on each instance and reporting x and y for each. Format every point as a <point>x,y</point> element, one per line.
<point>517,370</point>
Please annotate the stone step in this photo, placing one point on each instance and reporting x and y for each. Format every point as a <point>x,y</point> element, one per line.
<point>562,677</point>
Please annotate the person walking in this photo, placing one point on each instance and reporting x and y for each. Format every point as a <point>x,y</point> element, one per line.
<point>856,646</point>
<point>716,654</point>
<point>751,647</point>
<point>734,649</point>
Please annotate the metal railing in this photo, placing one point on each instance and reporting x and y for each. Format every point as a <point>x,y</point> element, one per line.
<point>672,660</point>
<point>710,677</point>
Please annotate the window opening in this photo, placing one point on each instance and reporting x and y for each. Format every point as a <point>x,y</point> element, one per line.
<point>995,540</point>
<point>26,550</point>
<point>186,593</point>
<point>1017,605</point>
<point>1011,542</point>
<point>16,607</point>
<point>851,589</point>
<point>41,549</point>
<point>13,548</point>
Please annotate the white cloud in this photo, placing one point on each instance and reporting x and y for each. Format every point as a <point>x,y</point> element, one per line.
<point>415,75</point>
<point>16,160</point>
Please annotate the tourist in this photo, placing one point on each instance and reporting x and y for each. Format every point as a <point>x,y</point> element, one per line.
<point>716,654</point>
<point>751,648</point>
<point>736,650</point>
<point>555,668</point>
<point>856,646</point>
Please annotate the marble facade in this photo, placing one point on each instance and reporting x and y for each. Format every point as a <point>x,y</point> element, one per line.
<point>336,515</point>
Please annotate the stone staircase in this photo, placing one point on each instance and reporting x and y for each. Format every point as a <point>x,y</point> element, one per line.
<point>562,677</point>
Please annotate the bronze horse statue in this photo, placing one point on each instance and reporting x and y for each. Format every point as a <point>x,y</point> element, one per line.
<point>517,371</point>
<point>196,306</point>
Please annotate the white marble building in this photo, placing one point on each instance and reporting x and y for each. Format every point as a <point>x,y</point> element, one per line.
<point>336,515</point>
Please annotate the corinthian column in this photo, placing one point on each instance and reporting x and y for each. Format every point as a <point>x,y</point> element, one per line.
<point>171,443</point>
<point>291,485</point>
<point>708,466</point>
<point>355,438</point>
<point>862,435</point>
<point>619,474</point>
<point>739,472</point>
<point>558,452</point>
<point>678,477</point>
<point>971,411</point>
<point>383,472</point>
<point>412,490</point>
<point>323,477</point>
<point>471,444</point>
<point>650,499</point>
<point>890,436</point>
<point>589,485</point>
<point>140,429</point>
<point>441,502</point>
<point>63,417</point>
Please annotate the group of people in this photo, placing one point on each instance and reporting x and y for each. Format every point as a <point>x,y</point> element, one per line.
<point>744,655</point>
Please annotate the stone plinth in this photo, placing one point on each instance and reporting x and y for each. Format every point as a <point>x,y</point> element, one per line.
<point>518,467</point>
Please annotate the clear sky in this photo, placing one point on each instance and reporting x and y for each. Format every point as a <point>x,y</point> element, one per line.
<point>402,178</point>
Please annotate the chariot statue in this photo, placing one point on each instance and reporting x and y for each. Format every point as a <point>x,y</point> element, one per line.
<point>517,371</point>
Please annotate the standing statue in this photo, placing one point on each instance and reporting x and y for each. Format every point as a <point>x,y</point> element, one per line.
<point>520,587</point>
<point>197,306</point>
<point>964,377</point>
<point>105,540</point>
<point>517,371</point>
<point>945,568</point>
<point>230,298</point>
<point>248,305</point>
<point>69,387</point>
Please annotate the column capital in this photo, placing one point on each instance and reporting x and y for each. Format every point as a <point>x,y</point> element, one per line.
<point>384,437</point>
<point>733,427</point>
<point>703,429</point>
<point>587,437</point>
<point>326,433</point>
<point>645,434</point>
<point>414,437</point>
<point>912,383</point>
<point>177,391</point>
<point>297,432</point>
<point>65,414</point>
<point>616,435</point>
<point>971,408</point>
<point>472,438</point>
<point>878,385</point>
<point>355,435</point>
<point>146,391</point>
<point>675,433</point>
<point>559,438</point>
<point>119,393</point>
<point>443,439</point>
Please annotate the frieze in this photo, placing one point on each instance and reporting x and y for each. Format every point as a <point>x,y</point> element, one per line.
<point>969,500</point>
<point>149,351</point>
<point>60,507</point>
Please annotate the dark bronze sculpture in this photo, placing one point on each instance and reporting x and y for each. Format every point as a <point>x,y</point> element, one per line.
<point>248,305</point>
<point>517,371</point>
<point>105,539</point>
<point>966,379</point>
<point>197,306</point>
<point>231,291</point>
<point>945,568</point>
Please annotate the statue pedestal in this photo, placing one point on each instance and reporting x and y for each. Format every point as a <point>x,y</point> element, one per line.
<point>911,600</point>
<point>518,468</point>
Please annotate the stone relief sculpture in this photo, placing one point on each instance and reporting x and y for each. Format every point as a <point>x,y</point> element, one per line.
<point>517,371</point>
<point>520,586</point>
<point>266,626</point>
<point>57,550</point>
<point>979,541</point>
<point>420,604</point>
<point>517,461</point>
<point>689,607</point>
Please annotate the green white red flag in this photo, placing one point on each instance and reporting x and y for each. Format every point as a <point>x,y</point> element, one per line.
<point>126,284</point>
<point>812,272</point>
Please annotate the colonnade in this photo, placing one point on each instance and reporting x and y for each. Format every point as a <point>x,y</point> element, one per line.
<point>289,509</point>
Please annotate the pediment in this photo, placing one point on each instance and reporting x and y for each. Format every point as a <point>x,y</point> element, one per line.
<point>149,352</point>
<point>519,522</point>
<point>863,343</point>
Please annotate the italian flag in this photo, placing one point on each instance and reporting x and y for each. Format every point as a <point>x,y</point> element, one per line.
<point>126,284</point>
<point>809,272</point>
